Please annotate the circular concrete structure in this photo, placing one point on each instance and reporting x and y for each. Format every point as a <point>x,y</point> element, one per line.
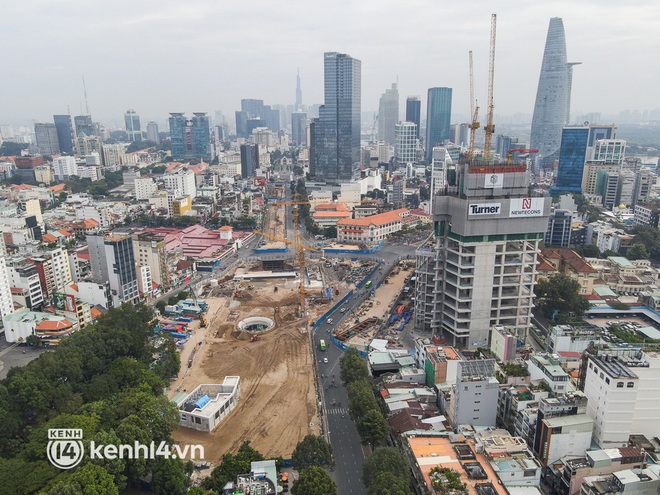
<point>256,324</point>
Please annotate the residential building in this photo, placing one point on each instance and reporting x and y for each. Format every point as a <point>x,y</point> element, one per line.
<point>405,143</point>
<point>66,137</point>
<point>630,481</point>
<point>336,146</point>
<point>25,283</point>
<point>145,188</point>
<point>64,167</point>
<point>553,97</point>
<point>152,132</point>
<point>132,123</point>
<point>647,214</point>
<point>480,269</point>
<point>249,159</point>
<point>6,302</point>
<point>371,230</point>
<point>114,156</point>
<point>517,410</point>
<point>513,462</point>
<point>571,405</point>
<point>96,293</point>
<point>181,205</point>
<point>388,114</point>
<point>622,385</point>
<point>474,394</point>
<point>590,174</point>
<point>438,119</point>
<point>575,338</point>
<point>54,271</point>
<point>545,367</point>
<point>150,250</point>
<point>191,137</point>
<point>46,137</point>
<point>181,183</point>
<point>112,258</point>
<point>560,227</point>
<point>87,145</point>
<point>414,111</point>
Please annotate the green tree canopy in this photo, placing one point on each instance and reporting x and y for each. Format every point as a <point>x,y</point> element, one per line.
<point>352,367</point>
<point>385,460</point>
<point>361,399</point>
<point>231,466</point>
<point>559,295</point>
<point>638,252</point>
<point>87,480</point>
<point>389,484</point>
<point>314,481</point>
<point>373,427</point>
<point>312,451</point>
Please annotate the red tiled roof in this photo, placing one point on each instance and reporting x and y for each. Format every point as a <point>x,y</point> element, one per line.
<point>50,325</point>
<point>569,354</point>
<point>49,238</point>
<point>379,219</point>
<point>569,258</point>
<point>57,188</point>
<point>95,313</point>
<point>225,227</point>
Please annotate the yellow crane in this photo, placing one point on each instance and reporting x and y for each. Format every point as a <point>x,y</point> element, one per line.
<point>490,126</point>
<point>474,112</point>
<point>299,256</point>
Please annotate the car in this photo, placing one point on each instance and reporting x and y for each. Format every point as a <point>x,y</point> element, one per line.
<point>325,360</point>
<point>343,310</point>
<point>329,321</point>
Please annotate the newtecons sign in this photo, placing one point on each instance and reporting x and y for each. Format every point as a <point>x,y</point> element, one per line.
<point>526,207</point>
<point>484,209</point>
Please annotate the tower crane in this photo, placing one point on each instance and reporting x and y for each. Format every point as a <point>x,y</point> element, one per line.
<point>474,112</point>
<point>490,127</point>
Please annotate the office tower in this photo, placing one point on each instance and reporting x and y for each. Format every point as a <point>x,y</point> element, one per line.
<point>299,128</point>
<point>6,302</point>
<point>46,137</point>
<point>460,134</point>
<point>65,167</point>
<point>254,108</point>
<point>504,143</point>
<point>272,118</point>
<point>88,144</point>
<point>553,97</point>
<point>480,270</point>
<point>65,135</point>
<point>112,258</point>
<point>132,123</point>
<point>609,151</point>
<point>181,183</point>
<point>249,159</point>
<point>607,184</point>
<point>84,125</point>
<point>577,145</point>
<point>254,123</point>
<point>152,132</point>
<point>337,132</point>
<point>241,124</point>
<point>388,114</point>
<point>314,139</point>
<point>191,138</point>
<point>414,111</point>
<point>441,164</point>
<point>298,106</point>
<point>438,117</point>
<point>405,143</point>
<point>560,225</point>
<point>398,194</point>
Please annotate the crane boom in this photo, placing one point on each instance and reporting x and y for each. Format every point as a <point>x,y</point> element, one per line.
<point>474,111</point>
<point>490,127</point>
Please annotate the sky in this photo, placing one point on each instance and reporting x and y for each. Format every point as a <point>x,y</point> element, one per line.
<point>160,56</point>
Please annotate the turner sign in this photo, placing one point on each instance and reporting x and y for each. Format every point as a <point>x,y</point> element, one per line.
<point>485,209</point>
<point>526,207</point>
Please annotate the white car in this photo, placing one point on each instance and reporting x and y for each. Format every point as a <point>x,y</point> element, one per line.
<point>343,310</point>
<point>325,360</point>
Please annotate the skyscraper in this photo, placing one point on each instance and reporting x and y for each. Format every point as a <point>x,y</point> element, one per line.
<point>413,111</point>
<point>65,135</point>
<point>112,258</point>
<point>298,106</point>
<point>405,147</point>
<point>299,128</point>
<point>388,114</point>
<point>553,97</point>
<point>152,132</point>
<point>337,132</point>
<point>132,122</point>
<point>84,125</point>
<point>438,119</point>
<point>46,137</point>
<point>249,159</point>
<point>191,138</point>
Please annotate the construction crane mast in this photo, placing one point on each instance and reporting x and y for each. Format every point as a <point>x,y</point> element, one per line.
<point>474,112</point>
<point>490,127</point>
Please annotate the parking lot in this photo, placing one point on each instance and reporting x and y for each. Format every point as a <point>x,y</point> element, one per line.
<point>12,355</point>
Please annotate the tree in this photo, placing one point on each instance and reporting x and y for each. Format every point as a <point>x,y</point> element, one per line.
<point>560,295</point>
<point>171,476</point>
<point>647,235</point>
<point>312,451</point>
<point>424,194</point>
<point>314,481</point>
<point>330,232</point>
<point>389,484</point>
<point>385,460</point>
<point>361,399</point>
<point>87,480</point>
<point>231,466</point>
<point>590,251</point>
<point>373,427</point>
<point>638,252</point>
<point>9,148</point>
<point>32,340</point>
<point>298,170</point>
<point>352,367</point>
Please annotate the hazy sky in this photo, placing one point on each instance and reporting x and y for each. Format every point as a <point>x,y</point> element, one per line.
<point>205,55</point>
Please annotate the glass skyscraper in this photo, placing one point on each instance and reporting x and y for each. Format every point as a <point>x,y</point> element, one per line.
<point>438,119</point>
<point>572,155</point>
<point>190,138</point>
<point>413,111</point>
<point>132,122</point>
<point>65,135</point>
<point>388,114</point>
<point>337,132</point>
<point>553,97</point>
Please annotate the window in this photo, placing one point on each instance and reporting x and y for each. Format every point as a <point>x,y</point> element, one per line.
<point>607,380</point>
<point>619,384</point>
<point>630,384</point>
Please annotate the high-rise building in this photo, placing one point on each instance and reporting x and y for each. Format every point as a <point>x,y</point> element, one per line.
<point>299,128</point>
<point>388,114</point>
<point>438,119</point>
<point>132,123</point>
<point>414,111</point>
<point>65,135</point>
<point>46,137</point>
<point>6,302</point>
<point>272,118</point>
<point>24,276</point>
<point>553,97</point>
<point>191,138</point>
<point>88,144</point>
<point>84,125</point>
<point>241,124</point>
<point>112,258</point>
<point>152,132</point>
<point>150,251</point>
<point>181,183</point>
<point>480,270</point>
<point>253,108</point>
<point>298,106</point>
<point>337,132</point>
<point>65,167</point>
<point>249,159</point>
<point>405,143</point>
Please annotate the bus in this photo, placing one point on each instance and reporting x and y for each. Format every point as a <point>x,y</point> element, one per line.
<point>368,284</point>
<point>322,343</point>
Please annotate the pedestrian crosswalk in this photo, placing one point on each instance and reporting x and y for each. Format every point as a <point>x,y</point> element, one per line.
<point>337,410</point>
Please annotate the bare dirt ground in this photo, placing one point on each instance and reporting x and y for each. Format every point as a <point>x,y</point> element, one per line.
<point>277,402</point>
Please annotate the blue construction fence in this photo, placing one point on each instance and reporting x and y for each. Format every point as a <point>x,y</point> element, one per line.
<point>353,251</point>
<point>369,275</point>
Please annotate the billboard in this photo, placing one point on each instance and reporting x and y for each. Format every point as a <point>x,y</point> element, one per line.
<point>492,181</point>
<point>70,303</point>
<point>526,207</point>
<point>475,209</point>
<point>58,300</point>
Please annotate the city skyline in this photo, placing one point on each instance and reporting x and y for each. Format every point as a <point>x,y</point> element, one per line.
<point>597,33</point>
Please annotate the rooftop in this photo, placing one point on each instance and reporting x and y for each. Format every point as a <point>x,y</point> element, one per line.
<point>378,220</point>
